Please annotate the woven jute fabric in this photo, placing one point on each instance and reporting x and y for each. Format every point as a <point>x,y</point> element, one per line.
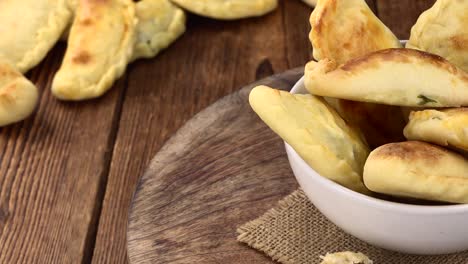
<point>295,232</point>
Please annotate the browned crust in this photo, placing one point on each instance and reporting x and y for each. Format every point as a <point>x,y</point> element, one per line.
<point>7,73</point>
<point>459,42</point>
<point>402,55</point>
<point>82,57</point>
<point>319,21</point>
<point>411,151</point>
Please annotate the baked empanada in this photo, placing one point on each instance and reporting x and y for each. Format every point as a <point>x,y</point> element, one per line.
<point>18,96</point>
<point>380,124</point>
<point>443,30</point>
<point>228,9</point>
<point>99,47</point>
<point>418,170</point>
<point>29,29</point>
<point>318,134</point>
<point>159,23</point>
<point>403,77</point>
<point>343,30</point>
<point>447,127</point>
<point>346,29</point>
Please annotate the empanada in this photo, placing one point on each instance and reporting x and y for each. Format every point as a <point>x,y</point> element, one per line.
<point>18,96</point>
<point>29,29</point>
<point>403,77</point>
<point>318,134</point>
<point>443,30</point>
<point>99,47</point>
<point>228,9</point>
<point>339,40</point>
<point>418,170</point>
<point>159,23</point>
<point>346,29</point>
<point>447,127</point>
<point>380,124</point>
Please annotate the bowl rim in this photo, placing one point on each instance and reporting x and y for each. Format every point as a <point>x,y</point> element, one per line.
<point>368,200</point>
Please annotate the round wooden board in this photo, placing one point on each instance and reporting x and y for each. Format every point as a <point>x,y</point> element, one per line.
<point>221,169</point>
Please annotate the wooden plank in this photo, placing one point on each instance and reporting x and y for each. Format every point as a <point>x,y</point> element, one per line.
<point>400,16</point>
<point>212,59</point>
<point>52,168</point>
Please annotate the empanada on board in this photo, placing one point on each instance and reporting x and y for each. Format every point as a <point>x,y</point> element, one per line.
<point>318,134</point>
<point>159,23</point>
<point>446,127</point>
<point>18,96</point>
<point>418,170</point>
<point>228,9</point>
<point>403,77</point>
<point>443,30</point>
<point>99,47</point>
<point>346,29</point>
<point>29,29</point>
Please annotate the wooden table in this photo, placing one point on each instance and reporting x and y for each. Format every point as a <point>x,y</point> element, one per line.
<point>67,174</point>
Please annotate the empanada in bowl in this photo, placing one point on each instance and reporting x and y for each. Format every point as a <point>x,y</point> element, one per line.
<point>403,77</point>
<point>29,29</point>
<point>346,29</point>
<point>446,127</point>
<point>317,133</point>
<point>18,96</point>
<point>228,9</point>
<point>418,170</point>
<point>343,30</point>
<point>159,23</point>
<point>443,30</point>
<point>99,47</point>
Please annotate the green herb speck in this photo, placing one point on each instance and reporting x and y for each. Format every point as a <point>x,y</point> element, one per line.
<point>425,100</point>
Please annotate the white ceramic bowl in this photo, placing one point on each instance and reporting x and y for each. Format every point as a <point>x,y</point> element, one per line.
<point>415,229</point>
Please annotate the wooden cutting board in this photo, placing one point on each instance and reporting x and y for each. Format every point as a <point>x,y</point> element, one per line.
<point>221,169</point>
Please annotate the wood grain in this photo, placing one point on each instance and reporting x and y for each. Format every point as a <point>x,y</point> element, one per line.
<point>400,16</point>
<point>165,92</point>
<point>220,170</point>
<point>52,168</point>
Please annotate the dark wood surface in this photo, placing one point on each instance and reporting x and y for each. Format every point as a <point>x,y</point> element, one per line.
<point>67,174</point>
<point>218,171</point>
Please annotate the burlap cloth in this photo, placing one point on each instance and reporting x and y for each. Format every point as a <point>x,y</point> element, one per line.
<point>295,232</point>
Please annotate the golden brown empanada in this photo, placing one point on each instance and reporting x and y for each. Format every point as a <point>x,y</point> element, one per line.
<point>446,127</point>
<point>99,47</point>
<point>418,170</point>
<point>159,23</point>
<point>18,96</point>
<point>29,29</point>
<point>346,29</point>
<point>228,9</point>
<point>364,33</point>
<point>403,77</point>
<point>318,134</point>
<point>443,30</point>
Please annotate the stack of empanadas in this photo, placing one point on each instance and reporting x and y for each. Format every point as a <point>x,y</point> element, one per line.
<point>360,65</point>
<point>102,38</point>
